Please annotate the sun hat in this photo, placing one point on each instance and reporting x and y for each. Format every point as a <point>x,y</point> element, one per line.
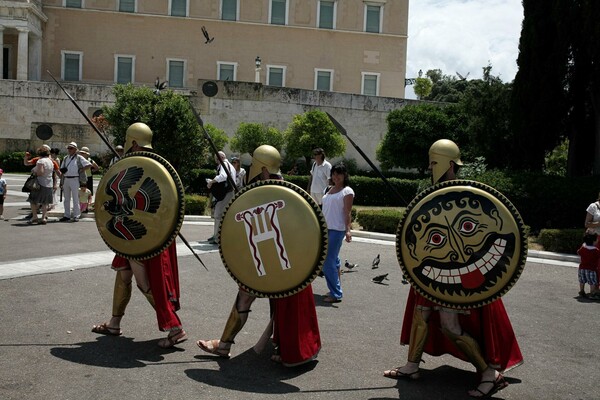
<point>84,150</point>
<point>46,147</point>
<point>72,144</point>
<point>119,147</point>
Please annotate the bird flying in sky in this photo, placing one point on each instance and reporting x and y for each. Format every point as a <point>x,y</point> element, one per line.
<point>206,35</point>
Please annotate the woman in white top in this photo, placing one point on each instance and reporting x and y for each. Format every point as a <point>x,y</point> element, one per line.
<point>43,169</point>
<point>337,204</point>
<point>592,217</point>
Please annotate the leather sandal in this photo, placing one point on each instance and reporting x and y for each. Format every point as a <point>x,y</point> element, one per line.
<point>212,347</point>
<point>395,373</point>
<point>173,339</point>
<point>104,329</point>
<point>498,384</point>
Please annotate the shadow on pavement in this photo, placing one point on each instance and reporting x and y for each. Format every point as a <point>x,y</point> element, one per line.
<point>113,352</point>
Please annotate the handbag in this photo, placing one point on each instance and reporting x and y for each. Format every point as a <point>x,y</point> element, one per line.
<point>220,189</point>
<point>31,184</point>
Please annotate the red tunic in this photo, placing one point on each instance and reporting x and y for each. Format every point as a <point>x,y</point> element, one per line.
<point>295,328</point>
<point>488,325</point>
<point>163,276</point>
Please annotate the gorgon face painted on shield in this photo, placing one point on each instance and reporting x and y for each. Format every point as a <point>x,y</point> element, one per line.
<point>460,243</point>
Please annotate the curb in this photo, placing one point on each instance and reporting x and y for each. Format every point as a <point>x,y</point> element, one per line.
<point>545,255</point>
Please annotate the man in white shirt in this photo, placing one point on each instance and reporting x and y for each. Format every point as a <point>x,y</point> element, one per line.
<point>71,166</point>
<point>320,173</point>
<point>221,177</point>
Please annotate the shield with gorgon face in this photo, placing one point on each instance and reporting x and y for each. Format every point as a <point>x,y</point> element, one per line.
<point>461,244</point>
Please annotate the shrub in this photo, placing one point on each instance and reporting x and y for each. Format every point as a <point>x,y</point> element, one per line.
<point>561,240</point>
<point>13,162</point>
<point>384,221</point>
<point>195,204</point>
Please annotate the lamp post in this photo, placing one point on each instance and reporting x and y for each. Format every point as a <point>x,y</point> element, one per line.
<point>257,61</point>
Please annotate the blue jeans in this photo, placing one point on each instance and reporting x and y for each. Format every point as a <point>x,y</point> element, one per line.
<point>332,263</point>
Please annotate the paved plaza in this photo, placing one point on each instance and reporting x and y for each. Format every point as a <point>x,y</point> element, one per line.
<point>55,283</point>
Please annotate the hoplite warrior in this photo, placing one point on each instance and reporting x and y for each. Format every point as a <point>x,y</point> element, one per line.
<point>136,192</point>
<point>260,237</point>
<point>461,245</point>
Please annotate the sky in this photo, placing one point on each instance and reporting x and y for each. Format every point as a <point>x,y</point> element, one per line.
<point>463,36</point>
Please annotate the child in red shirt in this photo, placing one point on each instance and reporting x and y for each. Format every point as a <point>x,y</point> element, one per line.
<point>588,267</point>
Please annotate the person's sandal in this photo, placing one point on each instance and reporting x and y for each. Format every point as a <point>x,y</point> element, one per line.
<point>212,347</point>
<point>173,339</point>
<point>498,384</point>
<point>395,373</point>
<point>104,329</point>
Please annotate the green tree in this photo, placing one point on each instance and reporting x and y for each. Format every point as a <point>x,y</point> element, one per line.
<point>250,135</point>
<point>557,87</point>
<point>218,137</point>
<point>485,105</point>
<point>446,88</point>
<point>556,160</point>
<point>313,129</point>
<point>411,131</point>
<point>422,87</point>
<point>176,133</point>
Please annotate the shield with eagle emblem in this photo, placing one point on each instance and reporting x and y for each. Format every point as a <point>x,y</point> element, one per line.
<point>139,205</point>
<point>273,239</point>
<point>461,244</point>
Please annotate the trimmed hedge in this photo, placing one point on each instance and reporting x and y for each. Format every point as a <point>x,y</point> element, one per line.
<point>561,240</point>
<point>195,204</point>
<point>383,221</point>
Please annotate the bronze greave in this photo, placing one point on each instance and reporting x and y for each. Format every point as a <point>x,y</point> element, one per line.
<point>235,323</point>
<point>469,347</point>
<point>148,296</point>
<point>418,336</point>
<point>121,296</point>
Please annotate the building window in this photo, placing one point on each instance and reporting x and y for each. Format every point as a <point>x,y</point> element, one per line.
<point>127,5</point>
<point>370,84</point>
<point>124,69</point>
<point>373,16</point>
<point>324,79</point>
<point>176,73</point>
<point>326,14</point>
<point>278,12</point>
<point>73,3</point>
<point>275,75</point>
<point>229,10</point>
<point>226,71</point>
<point>178,8</point>
<point>71,65</point>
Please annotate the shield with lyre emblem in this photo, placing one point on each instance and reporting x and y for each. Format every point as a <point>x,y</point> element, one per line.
<point>273,239</point>
<point>139,205</point>
<point>461,244</point>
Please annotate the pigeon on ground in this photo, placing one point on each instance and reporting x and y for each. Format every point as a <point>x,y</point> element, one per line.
<point>404,281</point>
<point>375,263</point>
<point>349,265</point>
<point>380,278</point>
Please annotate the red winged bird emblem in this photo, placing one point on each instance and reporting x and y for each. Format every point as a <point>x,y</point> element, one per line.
<point>122,204</point>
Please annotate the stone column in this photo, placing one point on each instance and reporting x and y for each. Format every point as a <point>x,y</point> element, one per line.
<point>1,52</point>
<point>35,58</point>
<point>22,54</point>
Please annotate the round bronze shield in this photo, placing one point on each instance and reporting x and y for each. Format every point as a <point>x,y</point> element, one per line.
<point>273,239</point>
<point>461,244</point>
<point>139,205</point>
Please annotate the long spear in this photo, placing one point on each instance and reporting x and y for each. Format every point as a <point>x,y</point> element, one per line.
<point>213,147</point>
<point>343,132</point>
<point>183,239</point>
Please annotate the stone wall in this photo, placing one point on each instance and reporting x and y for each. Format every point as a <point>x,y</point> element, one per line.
<point>26,105</point>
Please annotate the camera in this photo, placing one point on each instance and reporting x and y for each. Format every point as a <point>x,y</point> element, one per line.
<point>63,170</point>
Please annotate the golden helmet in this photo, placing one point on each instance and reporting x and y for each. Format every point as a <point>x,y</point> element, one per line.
<point>440,154</point>
<point>141,133</point>
<point>265,156</point>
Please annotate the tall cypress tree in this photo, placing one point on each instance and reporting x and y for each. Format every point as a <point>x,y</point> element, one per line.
<point>539,103</point>
<point>557,88</point>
